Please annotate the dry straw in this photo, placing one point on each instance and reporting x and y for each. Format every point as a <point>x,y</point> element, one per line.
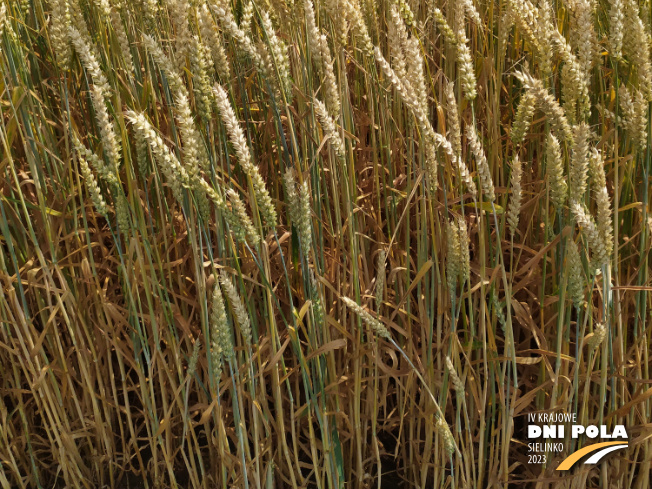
<point>127,178</point>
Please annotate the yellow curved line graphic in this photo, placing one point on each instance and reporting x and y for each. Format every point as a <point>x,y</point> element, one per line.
<point>574,457</point>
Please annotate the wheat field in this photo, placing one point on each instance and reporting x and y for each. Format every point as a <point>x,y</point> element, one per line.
<point>322,244</point>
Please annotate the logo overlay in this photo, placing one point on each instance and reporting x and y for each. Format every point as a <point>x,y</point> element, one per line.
<point>551,432</point>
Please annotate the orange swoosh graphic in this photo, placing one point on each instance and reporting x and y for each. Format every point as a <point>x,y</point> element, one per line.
<point>571,459</point>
